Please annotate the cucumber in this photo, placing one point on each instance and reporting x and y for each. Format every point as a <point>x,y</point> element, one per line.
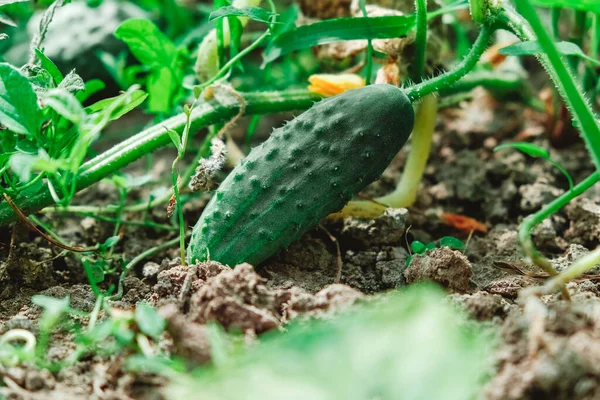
<point>306,170</point>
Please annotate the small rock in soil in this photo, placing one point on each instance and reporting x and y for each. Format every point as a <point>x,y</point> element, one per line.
<point>448,267</point>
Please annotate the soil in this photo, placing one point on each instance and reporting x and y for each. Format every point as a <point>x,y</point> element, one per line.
<point>549,348</point>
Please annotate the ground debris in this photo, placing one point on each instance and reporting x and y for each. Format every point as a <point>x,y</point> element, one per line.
<point>550,351</point>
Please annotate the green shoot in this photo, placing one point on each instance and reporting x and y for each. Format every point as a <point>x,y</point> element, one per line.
<point>535,151</point>
<point>421,248</point>
<point>369,63</point>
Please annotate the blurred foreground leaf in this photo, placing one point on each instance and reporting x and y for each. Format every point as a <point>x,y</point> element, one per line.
<point>407,345</point>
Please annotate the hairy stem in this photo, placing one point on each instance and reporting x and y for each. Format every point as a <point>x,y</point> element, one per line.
<point>448,79</point>
<point>420,40</point>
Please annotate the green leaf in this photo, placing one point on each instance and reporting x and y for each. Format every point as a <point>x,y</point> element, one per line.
<point>236,29</point>
<point>19,110</point>
<point>452,242</point>
<point>112,241</point>
<point>175,138</point>
<point>134,99</point>
<point>148,320</point>
<point>527,148</point>
<point>51,305</point>
<point>65,104</point>
<point>72,82</point>
<point>583,5</point>
<point>49,66</point>
<point>96,268</point>
<point>23,164</point>
<point>336,30</point>
<point>7,2</point>
<point>417,247</point>
<point>7,21</point>
<point>533,47</point>
<point>147,43</point>
<point>160,88</point>
<point>254,13</point>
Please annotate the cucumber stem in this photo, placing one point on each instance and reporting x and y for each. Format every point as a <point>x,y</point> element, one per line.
<point>405,193</point>
<point>430,86</point>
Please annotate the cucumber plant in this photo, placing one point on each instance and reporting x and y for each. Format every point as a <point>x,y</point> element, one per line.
<point>48,132</point>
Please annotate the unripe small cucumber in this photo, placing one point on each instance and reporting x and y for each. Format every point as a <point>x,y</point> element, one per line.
<point>306,170</point>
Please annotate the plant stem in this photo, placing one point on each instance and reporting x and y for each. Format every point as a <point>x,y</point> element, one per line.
<point>529,223</point>
<point>369,64</point>
<point>137,146</point>
<point>579,267</point>
<point>179,206</point>
<point>225,69</point>
<point>136,260</point>
<point>420,40</point>
<point>555,16</point>
<point>577,32</point>
<point>406,190</point>
<point>445,80</point>
<point>559,72</point>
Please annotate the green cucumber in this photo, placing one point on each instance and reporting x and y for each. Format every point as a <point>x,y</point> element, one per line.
<point>306,170</point>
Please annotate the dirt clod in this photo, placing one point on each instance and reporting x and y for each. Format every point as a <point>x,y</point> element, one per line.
<point>483,306</point>
<point>239,299</point>
<point>328,301</point>
<point>448,267</point>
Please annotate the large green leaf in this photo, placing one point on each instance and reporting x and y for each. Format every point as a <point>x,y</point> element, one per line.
<point>584,5</point>
<point>65,104</point>
<point>7,2</point>
<point>533,47</point>
<point>19,110</point>
<point>255,13</point>
<point>336,30</point>
<point>119,105</point>
<point>147,43</point>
